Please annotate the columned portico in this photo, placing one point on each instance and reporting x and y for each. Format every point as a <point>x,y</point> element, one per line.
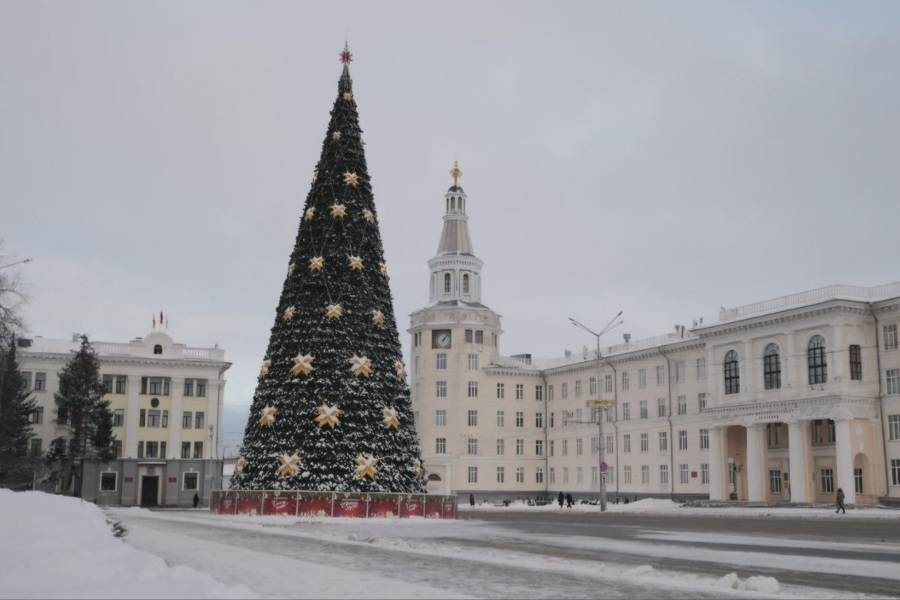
<point>800,479</point>
<point>756,463</point>
<point>844,460</point>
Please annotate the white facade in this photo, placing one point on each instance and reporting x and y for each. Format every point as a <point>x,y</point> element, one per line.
<point>784,400</point>
<point>167,401</point>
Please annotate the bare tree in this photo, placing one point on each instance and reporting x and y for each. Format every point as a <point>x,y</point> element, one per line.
<point>12,297</point>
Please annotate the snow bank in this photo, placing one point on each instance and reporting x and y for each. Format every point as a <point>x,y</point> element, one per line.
<point>61,547</point>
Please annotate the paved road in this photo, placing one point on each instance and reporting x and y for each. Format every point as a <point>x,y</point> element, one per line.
<point>850,540</point>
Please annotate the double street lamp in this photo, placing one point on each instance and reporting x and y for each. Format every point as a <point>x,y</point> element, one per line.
<point>600,405</point>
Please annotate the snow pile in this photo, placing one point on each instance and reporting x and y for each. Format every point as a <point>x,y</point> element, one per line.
<point>757,583</point>
<point>62,547</point>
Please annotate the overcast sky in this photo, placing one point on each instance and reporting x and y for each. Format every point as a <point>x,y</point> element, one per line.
<point>660,158</point>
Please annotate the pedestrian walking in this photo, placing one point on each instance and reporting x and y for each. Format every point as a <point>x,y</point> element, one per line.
<point>569,500</point>
<point>561,499</point>
<point>471,499</point>
<point>196,500</point>
<point>840,502</point>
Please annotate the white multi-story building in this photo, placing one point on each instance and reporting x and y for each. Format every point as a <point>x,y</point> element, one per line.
<point>167,402</point>
<point>783,400</point>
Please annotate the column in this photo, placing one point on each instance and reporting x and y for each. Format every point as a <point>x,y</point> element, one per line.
<point>132,417</point>
<point>756,463</point>
<point>800,478</point>
<point>716,465</point>
<point>843,454</point>
<point>177,390</point>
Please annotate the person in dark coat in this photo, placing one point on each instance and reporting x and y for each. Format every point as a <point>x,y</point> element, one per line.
<point>561,499</point>
<point>569,500</point>
<point>840,501</point>
<point>471,499</point>
<point>196,500</point>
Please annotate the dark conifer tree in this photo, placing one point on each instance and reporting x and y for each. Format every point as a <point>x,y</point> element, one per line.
<point>16,406</point>
<point>82,410</point>
<point>332,410</point>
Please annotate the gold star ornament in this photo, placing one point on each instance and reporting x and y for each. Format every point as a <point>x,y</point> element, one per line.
<point>309,214</point>
<point>290,465</point>
<point>348,96</point>
<point>335,311</point>
<point>328,415</point>
<point>264,369</point>
<point>351,178</point>
<point>382,268</point>
<point>289,313</point>
<point>316,263</point>
<point>362,366</point>
<point>365,466</point>
<point>417,465</point>
<point>356,263</point>
<point>336,135</point>
<point>378,317</point>
<point>239,465</point>
<point>369,215</point>
<point>268,416</point>
<point>389,418</point>
<point>401,371</point>
<point>302,364</point>
<point>338,210</point>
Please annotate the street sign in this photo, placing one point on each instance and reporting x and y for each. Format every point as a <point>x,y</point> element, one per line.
<point>604,467</point>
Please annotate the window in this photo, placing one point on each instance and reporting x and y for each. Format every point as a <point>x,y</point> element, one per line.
<point>566,474</point>
<point>501,418</point>
<point>26,380</point>
<point>679,371</point>
<point>827,481</point>
<point>682,439</point>
<point>201,388</point>
<point>473,418</point>
<point>895,471</point>
<point>40,381</point>
<point>473,389</point>
<point>520,447</point>
<point>565,447</point>
<point>37,416</point>
<point>642,378</point>
<point>608,383</point>
<point>416,366</point>
<point>520,474</point>
<point>682,405</point>
<point>107,384</point>
<point>892,376</point>
<point>823,432</point>
<point>162,449</point>
<point>890,337</point>
<point>704,439</point>
<point>660,407</point>
<point>501,474</point>
<point>140,449</point>
<point>550,393</point>
<point>185,449</point>
<point>645,442</point>
<point>520,391</point>
<point>772,367</point>
<point>153,418</point>
<point>108,482</point>
<point>626,474</point>
<point>188,387</point>
<point>539,447</point>
<point>440,446</point>
<point>501,447</point>
<point>157,349</point>
<point>473,474</point>
<point>440,418</point>
<point>663,474</point>
<point>684,475</point>
<point>552,448</point>
<point>539,392</point>
<point>645,475</point>
<point>119,417</point>
<point>660,375</point>
<point>858,480</point>
<point>578,389</point>
<point>579,475</point>
<point>818,367</point>
<point>520,419</point>
<point>564,390</point>
<point>446,283</point>
<point>855,363</point>
<point>704,473</point>
<point>441,389</point>
<point>539,420</point>
<point>501,392</point>
<point>120,384</point>
<point>465,284</point>
<point>595,476</point>
<point>701,368</point>
<point>152,449</point>
<point>198,420</point>
<point>644,411</point>
<point>775,481</point>
<point>894,427</point>
<point>626,411</point>
<point>473,362</point>
<point>190,482</point>
<point>592,386</point>
<point>441,361</point>
<point>472,446</point>
<point>468,336</point>
<point>663,441</point>
<point>552,475</point>
<point>479,336</point>
<point>701,401</point>
<point>775,438</point>
<point>732,373</point>
<point>626,443</point>
<point>198,449</point>
<point>552,419</point>
<point>36,450</point>
<point>186,420</point>
<point>579,447</point>
<point>624,380</point>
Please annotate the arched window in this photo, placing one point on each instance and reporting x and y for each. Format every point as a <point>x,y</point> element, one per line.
<point>732,373</point>
<point>465,284</point>
<point>772,367</point>
<point>446,283</point>
<point>815,358</point>
<point>157,349</point>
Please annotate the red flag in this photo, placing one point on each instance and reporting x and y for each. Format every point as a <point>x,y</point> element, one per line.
<point>160,318</point>
<point>154,321</point>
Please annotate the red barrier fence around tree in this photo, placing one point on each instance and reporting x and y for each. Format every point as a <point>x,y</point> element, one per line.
<point>332,504</point>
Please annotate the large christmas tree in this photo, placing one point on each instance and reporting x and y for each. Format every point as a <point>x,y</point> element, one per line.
<point>331,410</point>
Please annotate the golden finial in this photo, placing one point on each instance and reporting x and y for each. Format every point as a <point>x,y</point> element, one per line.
<point>455,173</point>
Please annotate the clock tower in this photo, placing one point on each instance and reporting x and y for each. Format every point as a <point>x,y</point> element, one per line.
<point>453,339</point>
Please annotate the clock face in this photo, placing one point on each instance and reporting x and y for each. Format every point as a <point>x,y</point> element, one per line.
<point>441,339</point>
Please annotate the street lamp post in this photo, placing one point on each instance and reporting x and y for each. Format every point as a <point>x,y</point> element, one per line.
<point>601,405</point>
